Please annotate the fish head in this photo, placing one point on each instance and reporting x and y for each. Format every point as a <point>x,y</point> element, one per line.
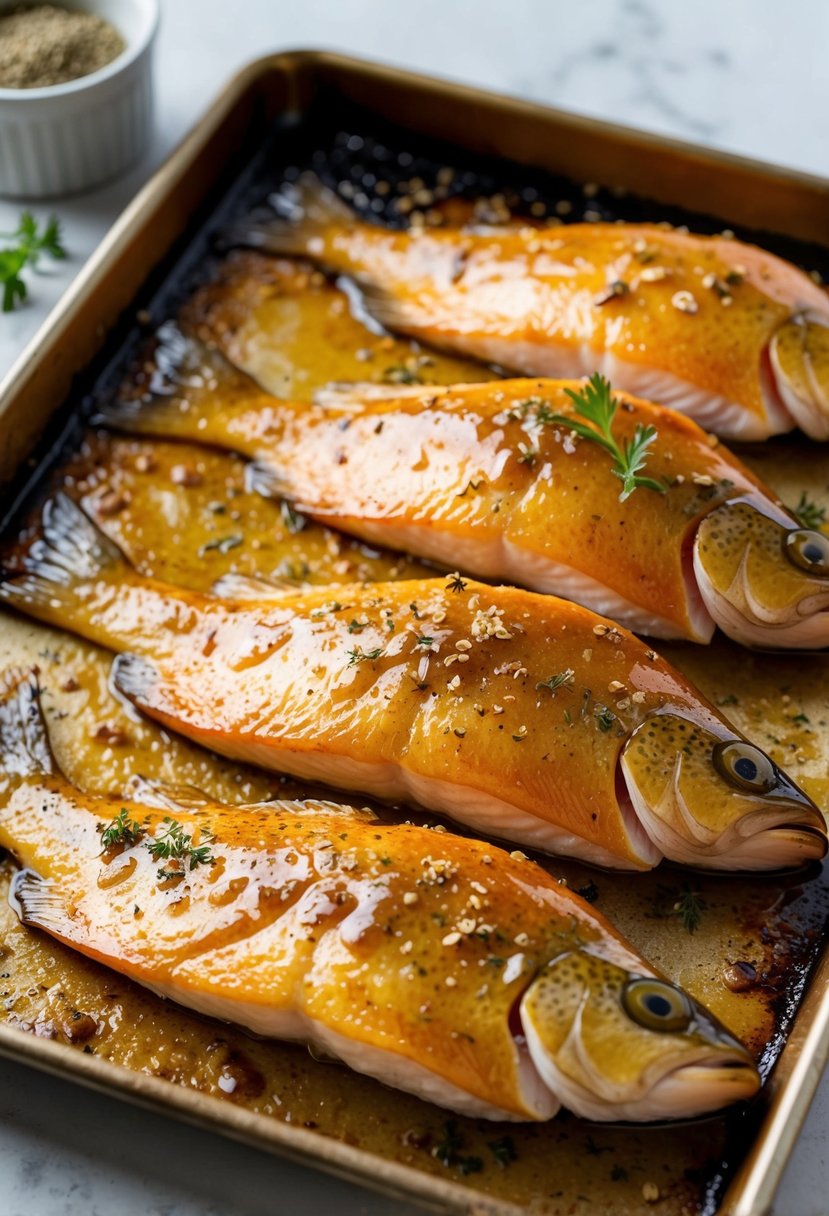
<point>799,358</point>
<point>764,579</point>
<point>613,1044</point>
<point>708,797</point>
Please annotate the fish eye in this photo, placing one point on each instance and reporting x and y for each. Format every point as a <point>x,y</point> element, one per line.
<point>745,766</point>
<point>657,1005</point>
<point>808,550</point>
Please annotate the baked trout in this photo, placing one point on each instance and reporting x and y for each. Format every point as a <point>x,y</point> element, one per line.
<point>520,715</point>
<point>723,331</point>
<point>492,478</point>
<point>314,921</point>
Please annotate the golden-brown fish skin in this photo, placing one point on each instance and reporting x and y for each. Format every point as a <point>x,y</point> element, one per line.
<point>694,322</point>
<point>402,950</point>
<point>479,477</point>
<point>506,710</point>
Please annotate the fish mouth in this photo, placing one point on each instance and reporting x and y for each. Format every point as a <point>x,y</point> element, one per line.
<point>749,588</point>
<point>764,838</point>
<point>798,360</point>
<point>702,1087</point>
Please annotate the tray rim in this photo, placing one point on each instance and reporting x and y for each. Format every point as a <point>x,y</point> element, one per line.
<point>798,1070</point>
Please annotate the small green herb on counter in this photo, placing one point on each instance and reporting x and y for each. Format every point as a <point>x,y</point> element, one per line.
<point>596,403</point>
<point>26,252</point>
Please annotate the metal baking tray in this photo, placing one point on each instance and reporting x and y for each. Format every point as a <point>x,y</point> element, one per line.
<point>262,109</point>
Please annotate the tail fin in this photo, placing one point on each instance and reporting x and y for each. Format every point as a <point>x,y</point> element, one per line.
<point>133,675</point>
<point>24,740</point>
<point>191,384</point>
<point>69,551</point>
<point>304,210</point>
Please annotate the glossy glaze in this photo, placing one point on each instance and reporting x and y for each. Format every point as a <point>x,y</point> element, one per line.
<point>722,330</point>
<point>477,476</point>
<point>510,711</point>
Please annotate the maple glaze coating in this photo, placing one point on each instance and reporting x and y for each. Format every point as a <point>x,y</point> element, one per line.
<point>474,477</point>
<point>690,321</point>
<point>507,710</point>
<point>405,949</point>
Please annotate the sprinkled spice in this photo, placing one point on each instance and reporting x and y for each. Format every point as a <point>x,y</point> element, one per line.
<point>42,45</point>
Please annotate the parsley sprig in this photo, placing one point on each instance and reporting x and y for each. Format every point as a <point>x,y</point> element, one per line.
<point>29,245</point>
<point>596,403</point>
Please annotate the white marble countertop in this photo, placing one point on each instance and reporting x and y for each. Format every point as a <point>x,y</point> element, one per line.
<point>749,76</point>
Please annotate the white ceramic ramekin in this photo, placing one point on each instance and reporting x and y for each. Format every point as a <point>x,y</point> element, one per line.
<point>67,137</point>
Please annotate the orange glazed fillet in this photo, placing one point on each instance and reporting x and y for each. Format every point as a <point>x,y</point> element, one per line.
<point>521,715</point>
<point>314,921</point>
<point>489,478</point>
<point>723,331</point>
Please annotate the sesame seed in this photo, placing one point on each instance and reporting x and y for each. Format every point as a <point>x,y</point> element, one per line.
<point>406,948</point>
<point>467,925</point>
<point>451,939</point>
<point>450,981</point>
<point>653,274</point>
<point>409,898</point>
<point>517,855</point>
<point>463,644</point>
<point>521,939</point>
<point>601,630</point>
<point>684,301</point>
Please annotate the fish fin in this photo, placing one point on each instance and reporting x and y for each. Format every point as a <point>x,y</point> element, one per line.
<point>393,314</point>
<point>341,394</point>
<point>69,551</point>
<point>166,797</point>
<point>263,479</point>
<point>37,903</point>
<point>304,209</point>
<point>320,806</point>
<point>251,587</point>
<point>133,675</point>
<point>189,382</point>
<point>24,739</point>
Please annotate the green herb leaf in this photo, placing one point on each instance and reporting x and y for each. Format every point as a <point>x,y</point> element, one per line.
<point>558,680</point>
<point>29,245</point>
<point>221,544</point>
<point>503,1150</point>
<point>809,513</point>
<point>174,844</point>
<point>120,830</point>
<point>361,656</point>
<point>596,403</point>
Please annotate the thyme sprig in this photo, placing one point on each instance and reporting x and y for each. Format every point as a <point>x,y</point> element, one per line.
<point>174,844</point>
<point>596,403</point>
<point>808,512</point>
<point>120,830</point>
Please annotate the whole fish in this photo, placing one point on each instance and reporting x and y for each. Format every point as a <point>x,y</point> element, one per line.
<point>490,478</point>
<point>521,715</point>
<point>723,331</point>
<point>314,921</point>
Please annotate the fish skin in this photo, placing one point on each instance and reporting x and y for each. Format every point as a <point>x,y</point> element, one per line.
<point>469,477</point>
<point>694,326</point>
<point>314,921</point>
<point>408,690</point>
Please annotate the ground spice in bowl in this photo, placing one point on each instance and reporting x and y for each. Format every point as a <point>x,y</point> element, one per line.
<point>42,45</point>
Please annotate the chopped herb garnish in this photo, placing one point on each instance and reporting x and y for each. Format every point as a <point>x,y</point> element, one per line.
<point>527,455</point>
<point>121,830</point>
<point>801,719</point>
<point>596,403</point>
<point>503,1150</point>
<point>221,544</point>
<point>558,680</point>
<point>448,1151</point>
<point>456,583</point>
<point>360,656</point>
<point>357,626</point>
<point>174,844</point>
<point>400,374</point>
<point>28,247</point>
<point>422,640</point>
<point>293,520</point>
<point>809,513</point>
<point>685,902</point>
<point>618,1173</point>
<point>604,717</point>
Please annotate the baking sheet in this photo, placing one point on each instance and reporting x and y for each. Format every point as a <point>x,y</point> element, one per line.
<point>775,925</point>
